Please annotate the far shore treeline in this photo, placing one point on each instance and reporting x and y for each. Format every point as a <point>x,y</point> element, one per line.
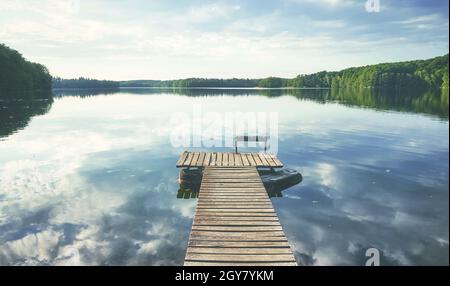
<point>422,74</point>
<point>432,73</point>
<point>20,78</point>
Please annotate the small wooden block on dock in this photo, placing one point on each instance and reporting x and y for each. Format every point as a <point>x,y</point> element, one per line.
<point>206,159</point>
<point>235,223</point>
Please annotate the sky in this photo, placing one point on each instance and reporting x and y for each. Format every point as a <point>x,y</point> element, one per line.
<point>141,39</point>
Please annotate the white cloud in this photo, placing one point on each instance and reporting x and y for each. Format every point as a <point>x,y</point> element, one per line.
<point>419,19</point>
<point>209,12</point>
<point>33,249</point>
<point>327,174</point>
<point>330,3</point>
<point>330,24</point>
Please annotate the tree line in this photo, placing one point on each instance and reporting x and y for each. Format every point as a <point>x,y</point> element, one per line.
<point>193,83</point>
<point>20,78</point>
<point>432,73</point>
<point>85,83</point>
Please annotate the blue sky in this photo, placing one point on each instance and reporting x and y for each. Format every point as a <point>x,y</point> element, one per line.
<point>139,39</point>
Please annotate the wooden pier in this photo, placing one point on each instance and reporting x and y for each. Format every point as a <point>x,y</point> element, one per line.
<point>217,159</point>
<point>235,223</point>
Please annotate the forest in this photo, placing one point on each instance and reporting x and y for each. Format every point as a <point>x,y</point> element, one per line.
<point>20,78</point>
<point>431,73</point>
<point>193,83</point>
<point>84,83</point>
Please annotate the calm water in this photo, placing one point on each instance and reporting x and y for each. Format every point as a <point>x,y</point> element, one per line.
<point>90,178</point>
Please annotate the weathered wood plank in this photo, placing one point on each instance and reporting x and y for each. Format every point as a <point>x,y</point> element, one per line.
<point>244,159</point>
<point>221,218</point>
<point>240,258</point>
<point>269,159</point>
<point>238,243</point>
<point>236,223</point>
<point>234,204</point>
<point>241,250</point>
<point>263,159</point>
<point>233,214</point>
<point>195,159</point>
<point>251,160</point>
<point>256,159</point>
<point>200,160</point>
<point>207,159</point>
<point>207,263</point>
<point>275,159</point>
<point>238,234</point>
<point>213,159</point>
<point>188,160</point>
<point>231,160</point>
<point>225,159</point>
<point>182,159</point>
<point>239,200</point>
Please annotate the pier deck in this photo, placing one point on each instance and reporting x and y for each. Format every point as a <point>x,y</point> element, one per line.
<point>218,159</point>
<point>235,223</point>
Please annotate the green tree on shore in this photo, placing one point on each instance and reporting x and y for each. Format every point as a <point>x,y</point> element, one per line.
<point>20,78</point>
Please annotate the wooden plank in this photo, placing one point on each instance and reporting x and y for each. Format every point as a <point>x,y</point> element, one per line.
<point>221,218</point>
<point>231,160</point>
<point>250,204</point>
<point>238,243</point>
<point>247,238</point>
<point>207,159</point>
<point>237,160</point>
<point>244,159</point>
<point>238,214</point>
<point>241,250</point>
<point>219,159</point>
<point>232,196</point>
<point>213,159</point>
<point>239,185</point>
<point>182,159</point>
<point>235,223</point>
<point>263,264</point>
<point>188,161</point>
<point>225,159</point>
<point>240,258</point>
<point>200,160</point>
<point>265,163</point>
<point>275,159</point>
<point>195,159</point>
<point>238,234</point>
<point>269,159</point>
<point>256,159</point>
<point>251,160</point>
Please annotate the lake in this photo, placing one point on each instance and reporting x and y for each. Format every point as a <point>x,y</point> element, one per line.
<point>89,177</point>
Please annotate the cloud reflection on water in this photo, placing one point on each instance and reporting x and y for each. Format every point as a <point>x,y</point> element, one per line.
<point>96,186</point>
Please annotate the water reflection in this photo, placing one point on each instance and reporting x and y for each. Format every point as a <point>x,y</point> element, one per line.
<point>93,182</point>
<point>83,92</point>
<point>16,114</point>
<point>433,102</point>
